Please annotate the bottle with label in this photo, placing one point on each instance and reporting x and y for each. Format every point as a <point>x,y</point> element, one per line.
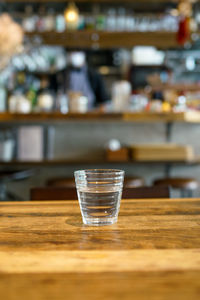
<point>40,24</point>
<point>111,20</point>
<point>121,19</point>
<point>30,19</point>
<point>62,102</point>
<point>60,24</point>
<point>32,92</point>
<point>50,20</point>
<point>100,22</point>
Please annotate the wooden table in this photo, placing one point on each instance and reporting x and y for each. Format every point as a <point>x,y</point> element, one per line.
<point>153,252</point>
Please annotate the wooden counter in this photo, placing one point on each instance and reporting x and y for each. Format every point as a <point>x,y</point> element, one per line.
<point>153,252</point>
<point>190,117</point>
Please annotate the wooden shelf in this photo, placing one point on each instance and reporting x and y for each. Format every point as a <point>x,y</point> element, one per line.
<point>107,40</point>
<point>189,117</point>
<point>177,86</point>
<point>95,1</point>
<point>58,117</point>
<point>64,162</point>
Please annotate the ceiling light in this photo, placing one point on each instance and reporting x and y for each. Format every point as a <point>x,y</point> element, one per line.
<point>71,15</point>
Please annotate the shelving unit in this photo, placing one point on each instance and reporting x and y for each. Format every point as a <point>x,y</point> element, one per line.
<point>47,120</point>
<point>106,40</point>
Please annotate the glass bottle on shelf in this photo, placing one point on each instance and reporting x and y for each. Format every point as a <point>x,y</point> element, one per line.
<point>60,24</point>
<point>62,102</point>
<point>81,22</point>
<point>40,24</point>
<point>45,98</point>
<point>99,18</point>
<point>50,20</point>
<point>30,19</point>
<point>89,22</point>
<point>121,19</point>
<point>31,95</point>
<point>129,22</point>
<point>101,22</point>
<point>111,20</point>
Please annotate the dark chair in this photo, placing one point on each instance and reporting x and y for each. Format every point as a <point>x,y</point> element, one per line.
<point>63,193</point>
<point>146,192</point>
<point>186,186</point>
<point>130,181</point>
<point>10,176</point>
<point>53,193</point>
<point>61,182</point>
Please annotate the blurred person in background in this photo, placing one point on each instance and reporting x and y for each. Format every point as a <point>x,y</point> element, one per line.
<point>79,77</point>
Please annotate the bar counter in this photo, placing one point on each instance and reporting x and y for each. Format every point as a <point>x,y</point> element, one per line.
<point>153,252</point>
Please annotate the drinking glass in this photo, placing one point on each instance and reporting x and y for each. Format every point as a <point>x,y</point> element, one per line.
<point>99,194</point>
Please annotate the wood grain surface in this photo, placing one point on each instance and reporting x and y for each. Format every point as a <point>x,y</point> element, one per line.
<point>152,252</point>
<point>93,116</point>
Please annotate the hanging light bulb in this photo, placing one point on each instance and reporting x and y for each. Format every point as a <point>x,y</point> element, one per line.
<point>71,15</point>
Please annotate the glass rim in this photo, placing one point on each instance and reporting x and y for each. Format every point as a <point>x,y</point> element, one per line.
<point>99,171</point>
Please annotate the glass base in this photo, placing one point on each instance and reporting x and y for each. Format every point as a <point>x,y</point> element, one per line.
<point>99,221</point>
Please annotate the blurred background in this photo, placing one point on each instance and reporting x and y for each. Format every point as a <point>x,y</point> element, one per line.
<point>111,58</point>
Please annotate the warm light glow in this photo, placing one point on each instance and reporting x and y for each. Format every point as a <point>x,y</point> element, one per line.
<point>174,12</point>
<point>72,16</point>
<point>185,8</point>
<point>104,70</point>
<point>11,39</point>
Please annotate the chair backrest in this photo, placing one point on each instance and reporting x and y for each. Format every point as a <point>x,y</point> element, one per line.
<point>61,182</point>
<point>53,193</point>
<point>146,192</point>
<point>64,193</point>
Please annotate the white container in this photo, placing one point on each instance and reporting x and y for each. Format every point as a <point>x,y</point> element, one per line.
<point>77,102</point>
<point>7,149</point>
<point>45,102</point>
<point>19,104</point>
<point>121,92</point>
